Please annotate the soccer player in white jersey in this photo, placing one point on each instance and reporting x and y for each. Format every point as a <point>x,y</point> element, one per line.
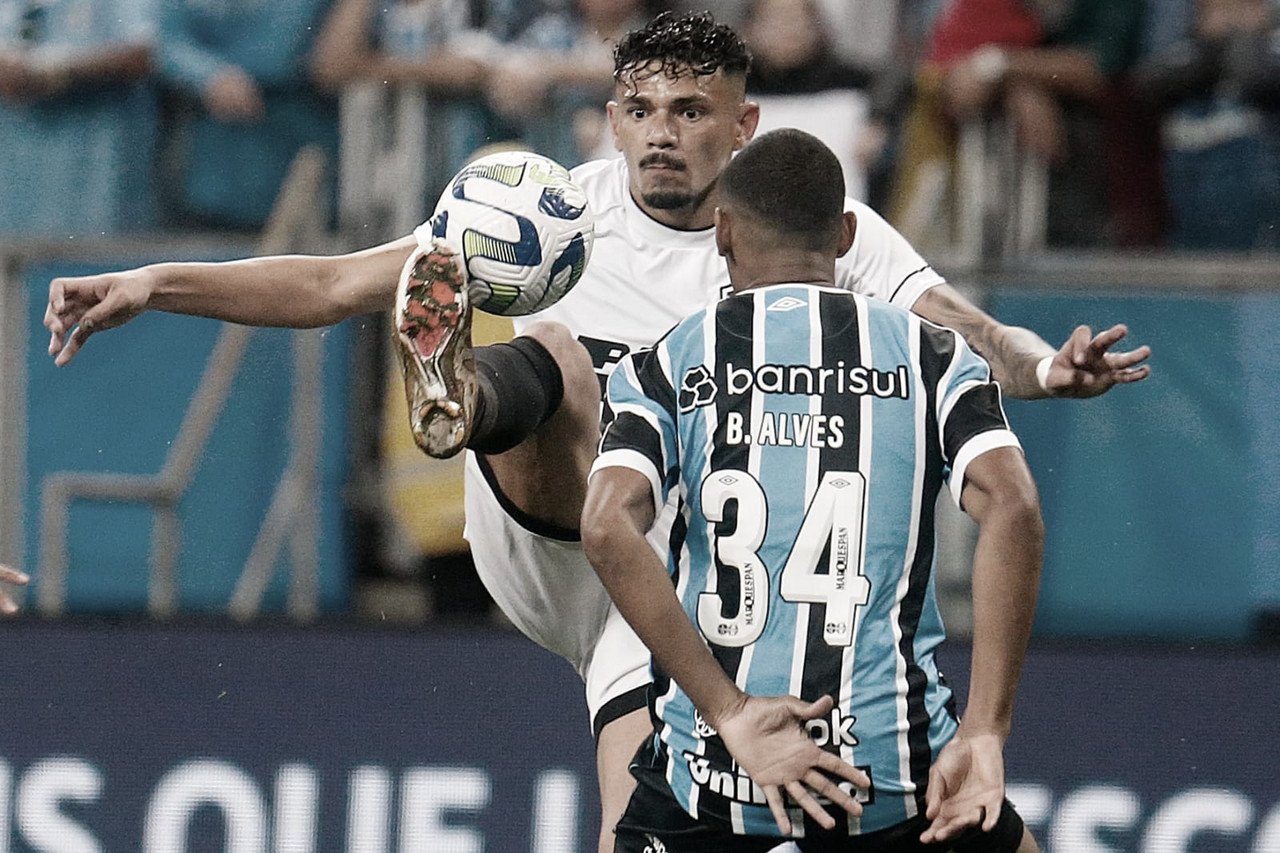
<point>532,410</point>
<point>807,432</point>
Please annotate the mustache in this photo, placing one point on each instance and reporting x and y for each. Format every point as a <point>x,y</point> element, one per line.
<point>660,159</point>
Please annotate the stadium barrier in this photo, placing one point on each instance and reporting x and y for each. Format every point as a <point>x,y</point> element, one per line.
<point>137,408</point>
<point>168,738</point>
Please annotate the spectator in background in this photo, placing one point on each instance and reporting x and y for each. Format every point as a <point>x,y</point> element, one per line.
<point>444,46</point>
<point>1219,90</point>
<point>559,72</point>
<point>77,122</point>
<point>800,82</point>
<point>244,104</point>
<point>1048,67</point>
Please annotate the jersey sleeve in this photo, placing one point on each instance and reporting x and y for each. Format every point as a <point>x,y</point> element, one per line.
<point>642,434</point>
<point>882,263</point>
<point>971,418</point>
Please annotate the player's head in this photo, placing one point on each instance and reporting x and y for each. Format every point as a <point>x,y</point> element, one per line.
<point>781,204</point>
<point>790,185</point>
<point>679,111</point>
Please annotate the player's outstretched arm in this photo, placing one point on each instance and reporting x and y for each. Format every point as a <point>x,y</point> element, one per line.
<point>966,783</point>
<point>1084,366</point>
<point>765,735</point>
<point>299,291</point>
<point>10,576</point>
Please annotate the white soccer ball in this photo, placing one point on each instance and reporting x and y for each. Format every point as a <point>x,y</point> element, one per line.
<point>523,228</point>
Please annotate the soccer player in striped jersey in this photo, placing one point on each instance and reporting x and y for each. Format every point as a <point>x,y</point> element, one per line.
<point>807,432</point>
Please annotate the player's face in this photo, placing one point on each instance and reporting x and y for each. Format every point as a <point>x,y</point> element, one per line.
<point>676,134</point>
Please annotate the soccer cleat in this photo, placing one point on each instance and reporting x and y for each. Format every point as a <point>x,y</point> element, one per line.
<point>433,330</point>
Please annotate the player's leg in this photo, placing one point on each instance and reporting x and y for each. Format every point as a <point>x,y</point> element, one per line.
<point>615,747</point>
<point>544,474</point>
<point>617,678</point>
<point>532,406</point>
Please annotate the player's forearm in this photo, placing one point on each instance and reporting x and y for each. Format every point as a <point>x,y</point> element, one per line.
<point>299,291</point>
<point>1006,580</point>
<point>642,592</point>
<point>1013,352</point>
<point>645,598</point>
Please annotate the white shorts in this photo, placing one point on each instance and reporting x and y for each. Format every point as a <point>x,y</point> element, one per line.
<point>539,575</point>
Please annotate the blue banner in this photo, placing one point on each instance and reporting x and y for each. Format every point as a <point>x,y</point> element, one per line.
<point>216,737</point>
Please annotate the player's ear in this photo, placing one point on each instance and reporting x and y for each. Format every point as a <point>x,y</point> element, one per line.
<point>748,121</point>
<point>612,109</point>
<point>724,233</point>
<point>848,230</point>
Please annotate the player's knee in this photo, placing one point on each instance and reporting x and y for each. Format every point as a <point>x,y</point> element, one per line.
<point>581,388</point>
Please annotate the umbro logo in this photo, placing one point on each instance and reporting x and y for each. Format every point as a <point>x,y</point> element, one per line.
<point>787,303</point>
<point>697,388</point>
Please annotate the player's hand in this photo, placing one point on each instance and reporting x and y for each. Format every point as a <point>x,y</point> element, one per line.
<point>766,736</point>
<point>966,787</point>
<point>1085,366</point>
<point>8,606</point>
<point>78,307</point>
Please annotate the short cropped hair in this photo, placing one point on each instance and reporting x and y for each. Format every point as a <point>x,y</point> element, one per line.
<point>692,43</point>
<point>792,183</point>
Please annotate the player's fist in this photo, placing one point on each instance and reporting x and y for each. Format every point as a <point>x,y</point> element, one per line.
<point>80,306</point>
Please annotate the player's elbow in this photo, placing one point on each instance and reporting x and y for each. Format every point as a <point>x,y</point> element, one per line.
<point>599,533</point>
<point>1016,508</point>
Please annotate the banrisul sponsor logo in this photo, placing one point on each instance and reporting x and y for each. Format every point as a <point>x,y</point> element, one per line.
<point>857,380</point>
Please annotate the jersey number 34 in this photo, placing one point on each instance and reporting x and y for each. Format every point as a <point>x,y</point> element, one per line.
<point>833,525</point>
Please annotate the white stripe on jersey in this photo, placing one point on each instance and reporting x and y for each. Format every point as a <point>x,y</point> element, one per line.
<point>914,333</point>
<point>972,449</point>
<point>624,457</point>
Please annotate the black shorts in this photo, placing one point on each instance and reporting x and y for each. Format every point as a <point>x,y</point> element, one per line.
<point>654,822</point>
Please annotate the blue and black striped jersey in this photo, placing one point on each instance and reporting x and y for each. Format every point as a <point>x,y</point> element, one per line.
<point>807,432</point>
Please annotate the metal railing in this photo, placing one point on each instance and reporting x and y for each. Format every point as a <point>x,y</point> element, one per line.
<point>297,223</point>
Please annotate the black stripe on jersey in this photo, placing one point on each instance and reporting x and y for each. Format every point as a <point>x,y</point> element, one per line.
<point>732,345</point>
<point>822,674</point>
<point>937,349</point>
<point>633,432</point>
<point>654,383</point>
<point>977,411</point>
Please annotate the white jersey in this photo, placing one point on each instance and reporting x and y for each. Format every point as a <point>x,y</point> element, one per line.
<point>645,277</point>
<point>642,279</point>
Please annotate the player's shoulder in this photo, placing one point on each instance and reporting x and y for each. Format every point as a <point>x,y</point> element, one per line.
<point>603,181</point>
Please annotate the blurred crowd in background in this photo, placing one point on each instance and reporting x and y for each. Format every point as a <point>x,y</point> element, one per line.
<point>1157,122</point>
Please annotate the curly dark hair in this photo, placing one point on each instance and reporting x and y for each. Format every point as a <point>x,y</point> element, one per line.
<point>675,45</point>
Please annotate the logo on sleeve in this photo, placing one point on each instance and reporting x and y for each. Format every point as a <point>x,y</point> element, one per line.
<point>697,388</point>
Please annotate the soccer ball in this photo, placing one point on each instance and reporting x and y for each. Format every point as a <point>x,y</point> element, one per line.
<point>522,227</point>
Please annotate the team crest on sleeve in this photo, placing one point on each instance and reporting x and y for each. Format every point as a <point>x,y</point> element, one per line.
<point>697,388</point>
